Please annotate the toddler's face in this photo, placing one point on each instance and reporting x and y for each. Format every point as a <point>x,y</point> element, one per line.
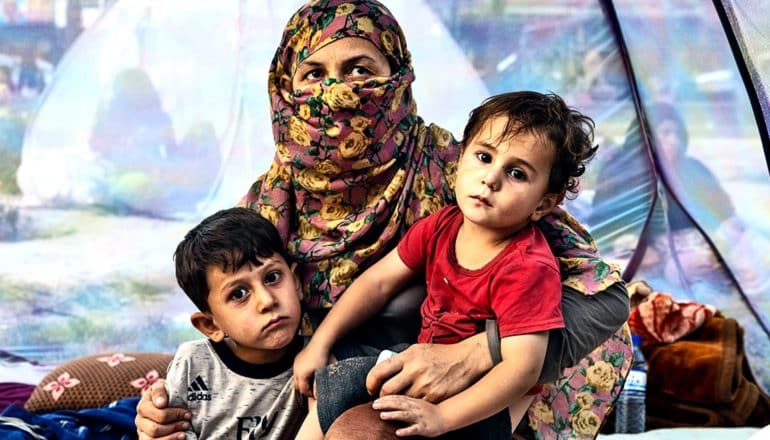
<point>257,306</point>
<point>501,183</point>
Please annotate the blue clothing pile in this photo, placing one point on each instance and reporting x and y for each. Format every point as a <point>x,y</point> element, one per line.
<point>112,422</point>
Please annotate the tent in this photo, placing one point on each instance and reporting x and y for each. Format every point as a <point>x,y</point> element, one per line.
<point>678,194</point>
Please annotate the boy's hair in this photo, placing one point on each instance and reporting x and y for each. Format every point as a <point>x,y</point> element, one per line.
<point>547,115</point>
<point>227,239</point>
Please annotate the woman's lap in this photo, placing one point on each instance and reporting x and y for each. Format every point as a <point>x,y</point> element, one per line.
<point>341,387</point>
<point>589,321</point>
<point>594,340</point>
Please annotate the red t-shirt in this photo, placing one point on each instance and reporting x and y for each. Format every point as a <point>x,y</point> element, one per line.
<point>520,287</point>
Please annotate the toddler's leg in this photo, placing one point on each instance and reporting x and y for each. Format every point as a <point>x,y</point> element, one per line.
<point>519,409</point>
<point>311,428</point>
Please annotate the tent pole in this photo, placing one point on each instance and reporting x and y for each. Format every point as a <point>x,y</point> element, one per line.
<point>754,87</point>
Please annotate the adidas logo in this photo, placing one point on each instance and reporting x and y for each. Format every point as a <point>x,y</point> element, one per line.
<point>197,390</point>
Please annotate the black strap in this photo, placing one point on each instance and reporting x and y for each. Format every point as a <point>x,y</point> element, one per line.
<point>493,339</point>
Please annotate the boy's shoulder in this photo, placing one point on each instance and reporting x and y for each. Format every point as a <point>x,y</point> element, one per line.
<point>194,347</point>
<point>195,344</point>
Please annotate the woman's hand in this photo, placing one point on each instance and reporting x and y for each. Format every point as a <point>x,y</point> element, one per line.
<point>154,420</point>
<point>421,417</point>
<point>307,361</point>
<point>432,372</point>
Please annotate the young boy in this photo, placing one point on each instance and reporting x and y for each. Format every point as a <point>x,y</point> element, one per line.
<point>482,259</point>
<point>238,383</point>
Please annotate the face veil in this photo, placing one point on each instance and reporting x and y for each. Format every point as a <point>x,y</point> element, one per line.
<point>355,165</point>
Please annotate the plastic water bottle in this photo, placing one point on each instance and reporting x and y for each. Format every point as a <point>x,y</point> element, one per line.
<point>629,411</point>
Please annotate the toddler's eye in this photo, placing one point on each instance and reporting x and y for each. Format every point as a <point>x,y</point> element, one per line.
<point>272,277</point>
<point>517,174</point>
<point>484,157</point>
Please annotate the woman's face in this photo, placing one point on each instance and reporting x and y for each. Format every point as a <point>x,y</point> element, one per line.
<point>670,142</point>
<point>347,59</point>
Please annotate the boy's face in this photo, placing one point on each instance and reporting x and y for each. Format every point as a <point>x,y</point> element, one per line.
<point>501,183</point>
<point>257,307</point>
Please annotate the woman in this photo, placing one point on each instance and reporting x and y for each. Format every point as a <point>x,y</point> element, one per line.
<point>356,166</point>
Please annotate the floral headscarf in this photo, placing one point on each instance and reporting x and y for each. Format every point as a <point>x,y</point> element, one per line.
<point>355,165</point>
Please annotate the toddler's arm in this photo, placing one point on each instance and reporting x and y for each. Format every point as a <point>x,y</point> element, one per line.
<point>365,297</point>
<point>502,386</point>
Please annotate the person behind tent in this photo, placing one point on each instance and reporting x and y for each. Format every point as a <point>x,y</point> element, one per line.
<point>482,259</point>
<point>688,177</point>
<point>149,171</point>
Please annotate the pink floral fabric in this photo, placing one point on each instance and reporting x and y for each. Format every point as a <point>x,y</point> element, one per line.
<point>576,405</point>
<point>580,265</point>
<point>355,165</point>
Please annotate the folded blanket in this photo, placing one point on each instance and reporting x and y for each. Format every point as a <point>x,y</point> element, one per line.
<point>704,380</point>
<point>661,319</point>
<point>706,367</point>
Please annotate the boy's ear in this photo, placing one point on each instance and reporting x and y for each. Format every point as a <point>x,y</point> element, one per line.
<point>547,203</point>
<point>205,324</point>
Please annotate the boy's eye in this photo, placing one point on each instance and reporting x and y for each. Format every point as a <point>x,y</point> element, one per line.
<point>484,157</point>
<point>517,174</point>
<point>272,277</point>
<point>239,293</point>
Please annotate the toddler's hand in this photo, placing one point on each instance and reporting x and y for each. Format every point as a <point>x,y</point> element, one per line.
<point>305,364</point>
<point>422,417</point>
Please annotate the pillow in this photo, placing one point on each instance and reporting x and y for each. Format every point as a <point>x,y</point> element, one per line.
<point>94,381</point>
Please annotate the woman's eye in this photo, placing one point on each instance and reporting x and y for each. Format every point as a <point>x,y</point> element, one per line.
<point>272,277</point>
<point>484,157</point>
<point>360,71</point>
<point>238,294</point>
<point>517,174</point>
<point>313,75</point>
